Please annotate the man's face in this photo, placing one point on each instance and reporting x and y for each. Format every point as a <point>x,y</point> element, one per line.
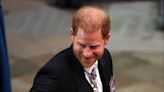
<point>88,46</point>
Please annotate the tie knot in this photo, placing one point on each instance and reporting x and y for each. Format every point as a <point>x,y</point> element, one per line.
<point>92,75</point>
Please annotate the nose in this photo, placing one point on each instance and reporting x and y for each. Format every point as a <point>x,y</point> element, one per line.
<point>87,52</point>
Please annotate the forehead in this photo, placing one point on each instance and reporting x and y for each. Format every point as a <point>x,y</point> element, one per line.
<point>90,37</point>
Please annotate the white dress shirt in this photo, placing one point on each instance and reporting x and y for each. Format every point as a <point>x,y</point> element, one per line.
<point>98,79</point>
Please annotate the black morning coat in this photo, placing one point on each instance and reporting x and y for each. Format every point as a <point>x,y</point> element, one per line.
<point>63,73</point>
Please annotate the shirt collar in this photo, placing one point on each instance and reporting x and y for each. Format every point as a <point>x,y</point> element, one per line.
<point>89,69</point>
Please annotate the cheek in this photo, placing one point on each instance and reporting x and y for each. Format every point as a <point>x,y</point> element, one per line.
<point>98,52</point>
<point>77,49</point>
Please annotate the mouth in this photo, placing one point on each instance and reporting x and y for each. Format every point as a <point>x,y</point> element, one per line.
<point>88,59</point>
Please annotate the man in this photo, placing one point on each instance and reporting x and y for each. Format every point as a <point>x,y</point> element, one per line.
<point>85,66</point>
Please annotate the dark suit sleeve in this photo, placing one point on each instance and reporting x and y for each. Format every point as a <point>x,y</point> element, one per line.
<point>46,81</point>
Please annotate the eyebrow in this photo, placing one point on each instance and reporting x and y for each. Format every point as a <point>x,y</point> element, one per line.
<point>96,45</point>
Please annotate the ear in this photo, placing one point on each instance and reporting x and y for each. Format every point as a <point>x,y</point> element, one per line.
<point>71,34</point>
<point>106,39</point>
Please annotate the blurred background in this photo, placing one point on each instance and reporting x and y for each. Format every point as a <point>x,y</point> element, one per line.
<point>38,29</point>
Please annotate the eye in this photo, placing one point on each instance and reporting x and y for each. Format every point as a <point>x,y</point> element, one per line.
<point>93,47</point>
<point>82,45</point>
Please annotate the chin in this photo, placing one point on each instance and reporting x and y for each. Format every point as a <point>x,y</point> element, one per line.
<point>87,65</point>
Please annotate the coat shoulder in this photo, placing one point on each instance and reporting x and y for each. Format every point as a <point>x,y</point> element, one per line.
<point>58,63</point>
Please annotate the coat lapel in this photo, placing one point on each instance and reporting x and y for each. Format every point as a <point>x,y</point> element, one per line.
<point>102,75</point>
<point>81,83</point>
